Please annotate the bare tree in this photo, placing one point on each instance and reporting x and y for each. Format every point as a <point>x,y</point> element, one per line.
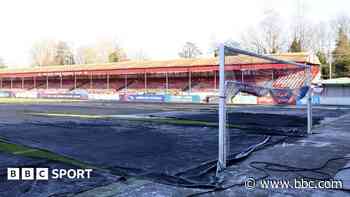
<point>323,39</point>
<point>43,53</point>
<point>341,22</point>
<point>304,31</point>
<point>85,55</point>
<point>251,41</point>
<point>64,54</point>
<point>267,37</point>
<point>190,50</point>
<point>51,52</point>
<point>299,25</point>
<point>103,51</point>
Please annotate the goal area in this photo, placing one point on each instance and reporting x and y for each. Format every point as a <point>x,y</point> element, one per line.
<point>279,79</point>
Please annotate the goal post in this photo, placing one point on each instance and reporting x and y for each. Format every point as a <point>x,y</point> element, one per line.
<point>223,136</point>
<point>222,111</point>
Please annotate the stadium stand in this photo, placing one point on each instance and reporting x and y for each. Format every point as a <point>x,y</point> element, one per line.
<point>178,83</point>
<point>172,77</point>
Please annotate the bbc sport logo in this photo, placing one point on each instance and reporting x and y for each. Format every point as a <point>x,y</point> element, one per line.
<point>27,174</point>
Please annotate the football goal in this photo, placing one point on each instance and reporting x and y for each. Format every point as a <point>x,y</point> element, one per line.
<point>280,80</point>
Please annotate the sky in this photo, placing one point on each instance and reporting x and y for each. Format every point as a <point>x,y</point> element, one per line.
<point>157,27</point>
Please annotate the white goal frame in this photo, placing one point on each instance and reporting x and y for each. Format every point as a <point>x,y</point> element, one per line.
<point>223,146</point>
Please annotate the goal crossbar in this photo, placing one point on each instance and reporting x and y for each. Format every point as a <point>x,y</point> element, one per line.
<point>266,57</point>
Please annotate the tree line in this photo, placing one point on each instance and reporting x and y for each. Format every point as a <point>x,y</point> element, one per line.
<point>330,41</point>
<point>49,52</point>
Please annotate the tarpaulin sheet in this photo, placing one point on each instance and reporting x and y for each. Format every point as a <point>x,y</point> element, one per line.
<point>254,122</point>
<point>136,148</point>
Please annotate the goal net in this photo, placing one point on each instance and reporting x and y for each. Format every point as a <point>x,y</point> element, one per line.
<point>270,86</point>
<point>261,79</point>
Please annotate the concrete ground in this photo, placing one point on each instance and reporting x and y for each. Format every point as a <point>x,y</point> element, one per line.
<point>322,156</point>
